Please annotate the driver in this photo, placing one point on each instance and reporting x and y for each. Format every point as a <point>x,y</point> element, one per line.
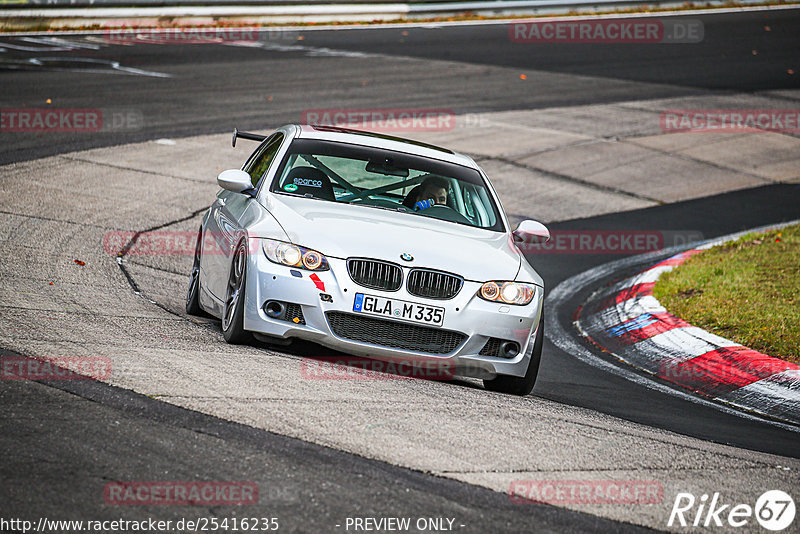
<point>432,191</point>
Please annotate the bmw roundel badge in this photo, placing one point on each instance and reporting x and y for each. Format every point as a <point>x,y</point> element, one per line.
<point>405,256</point>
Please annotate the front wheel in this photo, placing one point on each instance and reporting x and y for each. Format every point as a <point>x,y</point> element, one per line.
<point>516,385</point>
<point>233,314</point>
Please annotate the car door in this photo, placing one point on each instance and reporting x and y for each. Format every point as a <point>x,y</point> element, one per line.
<point>223,229</point>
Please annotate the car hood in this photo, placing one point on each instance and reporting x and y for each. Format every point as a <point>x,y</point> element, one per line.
<point>345,231</point>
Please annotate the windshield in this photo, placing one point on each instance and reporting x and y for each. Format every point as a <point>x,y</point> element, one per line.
<point>378,178</point>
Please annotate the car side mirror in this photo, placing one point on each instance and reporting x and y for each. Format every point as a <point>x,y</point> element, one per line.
<point>528,231</point>
<point>237,181</point>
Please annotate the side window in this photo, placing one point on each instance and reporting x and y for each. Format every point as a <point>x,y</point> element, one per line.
<point>259,164</point>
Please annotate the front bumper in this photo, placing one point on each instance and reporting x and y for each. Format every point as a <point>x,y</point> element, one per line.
<point>334,291</point>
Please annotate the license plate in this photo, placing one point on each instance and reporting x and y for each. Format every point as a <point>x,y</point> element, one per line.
<point>398,309</point>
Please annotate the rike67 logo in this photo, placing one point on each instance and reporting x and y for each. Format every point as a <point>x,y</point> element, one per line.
<point>774,510</point>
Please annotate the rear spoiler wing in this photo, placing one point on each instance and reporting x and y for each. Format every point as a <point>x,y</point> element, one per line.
<point>246,135</point>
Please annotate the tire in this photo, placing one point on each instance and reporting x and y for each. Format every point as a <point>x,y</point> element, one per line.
<point>233,312</point>
<point>193,295</point>
<point>515,385</point>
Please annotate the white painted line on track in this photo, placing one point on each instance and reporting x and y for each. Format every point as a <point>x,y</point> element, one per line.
<point>308,50</point>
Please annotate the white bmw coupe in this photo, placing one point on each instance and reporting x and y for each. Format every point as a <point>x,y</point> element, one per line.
<point>373,245</point>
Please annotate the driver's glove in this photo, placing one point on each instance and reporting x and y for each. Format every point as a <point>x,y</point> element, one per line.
<point>423,204</point>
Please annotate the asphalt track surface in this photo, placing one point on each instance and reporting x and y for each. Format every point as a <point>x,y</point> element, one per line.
<point>307,487</point>
<point>222,87</point>
<point>103,433</point>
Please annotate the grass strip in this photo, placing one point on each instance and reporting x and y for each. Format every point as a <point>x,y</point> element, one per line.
<point>747,291</point>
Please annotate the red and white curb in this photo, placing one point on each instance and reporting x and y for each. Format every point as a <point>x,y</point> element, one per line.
<point>625,319</point>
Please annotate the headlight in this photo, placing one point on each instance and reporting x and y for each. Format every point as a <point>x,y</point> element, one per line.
<point>294,256</point>
<point>507,292</point>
